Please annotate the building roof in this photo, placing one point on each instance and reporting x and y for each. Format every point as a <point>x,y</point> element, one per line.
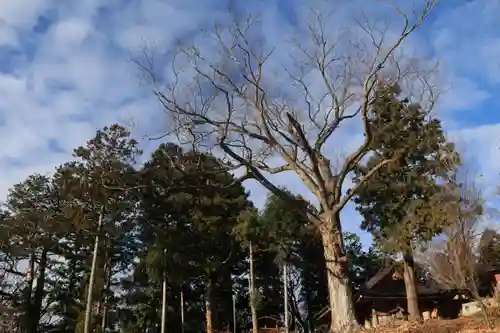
<point>381,285</point>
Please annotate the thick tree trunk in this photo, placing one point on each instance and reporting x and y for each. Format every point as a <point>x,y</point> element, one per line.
<point>209,306</point>
<point>411,287</point>
<point>342,310</point>
<point>251,282</point>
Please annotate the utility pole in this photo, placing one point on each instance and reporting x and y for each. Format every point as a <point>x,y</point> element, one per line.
<point>88,309</point>
<point>234,313</point>
<point>164,300</point>
<point>182,311</point>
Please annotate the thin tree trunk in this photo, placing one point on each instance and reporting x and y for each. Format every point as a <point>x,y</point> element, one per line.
<point>251,280</point>
<point>28,294</point>
<point>411,287</point>
<point>104,312</point>
<point>208,306</point>
<point>309,327</point>
<point>99,308</point>
<point>88,309</point>
<point>69,319</point>
<point>36,308</point>
<point>182,310</point>
<point>342,310</point>
<point>285,295</point>
<point>234,313</point>
<point>305,280</point>
<point>164,302</point>
<point>472,286</point>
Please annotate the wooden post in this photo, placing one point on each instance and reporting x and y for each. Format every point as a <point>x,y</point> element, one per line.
<point>234,313</point>
<point>88,308</point>
<point>374,318</point>
<point>251,278</point>
<point>164,301</point>
<point>182,311</point>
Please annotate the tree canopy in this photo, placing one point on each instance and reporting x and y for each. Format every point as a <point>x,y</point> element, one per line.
<point>175,218</point>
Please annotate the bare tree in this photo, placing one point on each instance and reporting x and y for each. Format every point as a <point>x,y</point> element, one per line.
<point>267,118</point>
<point>453,261</point>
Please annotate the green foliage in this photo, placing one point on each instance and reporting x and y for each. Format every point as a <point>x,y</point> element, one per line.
<point>189,211</point>
<point>362,264</point>
<point>283,233</point>
<point>180,216</point>
<point>489,249</point>
<point>404,202</point>
<point>488,259</point>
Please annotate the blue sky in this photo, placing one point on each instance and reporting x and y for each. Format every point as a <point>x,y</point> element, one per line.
<point>65,71</point>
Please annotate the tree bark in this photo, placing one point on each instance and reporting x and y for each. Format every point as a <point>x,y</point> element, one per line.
<point>69,319</point>
<point>36,308</point>
<point>309,326</point>
<point>104,313</point>
<point>411,287</point>
<point>305,281</point>
<point>251,282</point>
<point>285,295</point>
<point>28,294</point>
<point>208,306</point>
<point>342,310</point>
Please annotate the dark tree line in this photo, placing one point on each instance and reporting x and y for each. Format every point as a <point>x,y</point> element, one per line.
<point>179,218</point>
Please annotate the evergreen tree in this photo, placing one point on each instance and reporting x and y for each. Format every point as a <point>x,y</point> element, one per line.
<point>35,228</point>
<point>182,219</point>
<point>188,212</point>
<point>101,189</point>
<point>289,237</point>
<point>400,204</point>
<point>488,258</point>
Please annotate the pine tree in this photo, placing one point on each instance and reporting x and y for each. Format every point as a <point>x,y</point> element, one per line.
<point>35,228</point>
<point>101,187</point>
<point>188,212</point>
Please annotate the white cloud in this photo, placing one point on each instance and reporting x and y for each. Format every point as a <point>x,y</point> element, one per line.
<point>76,75</point>
<point>462,94</point>
<point>69,35</point>
<point>8,36</point>
<point>22,14</point>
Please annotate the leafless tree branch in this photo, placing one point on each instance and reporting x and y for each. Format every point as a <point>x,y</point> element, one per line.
<point>227,94</point>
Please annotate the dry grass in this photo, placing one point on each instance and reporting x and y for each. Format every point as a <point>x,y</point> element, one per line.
<point>462,325</point>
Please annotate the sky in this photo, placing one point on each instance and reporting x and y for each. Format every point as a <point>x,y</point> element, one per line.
<point>66,70</point>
